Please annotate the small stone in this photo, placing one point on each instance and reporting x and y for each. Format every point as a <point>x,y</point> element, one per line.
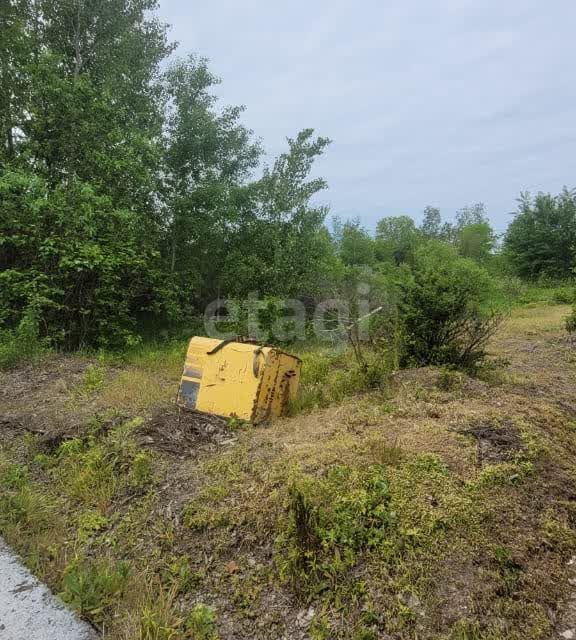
<point>232,567</point>
<point>569,634</point>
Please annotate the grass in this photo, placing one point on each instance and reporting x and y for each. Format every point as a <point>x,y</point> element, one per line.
<point>362,515</point>
<point>562,292</point>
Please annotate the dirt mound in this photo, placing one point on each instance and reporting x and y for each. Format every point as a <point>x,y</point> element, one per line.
<point>184,433</point>
<point>497,442</point>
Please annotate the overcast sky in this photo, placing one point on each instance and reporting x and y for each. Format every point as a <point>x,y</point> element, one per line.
<point>441,102</point>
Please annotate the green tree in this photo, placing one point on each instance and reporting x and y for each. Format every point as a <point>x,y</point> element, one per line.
<point>396,239</point>
<point>476,241</point>
<point>468,216</point>
<point>431,226</point>
<point>208,157</point>
<point>15,54</point>
<point>357,247</point>
<point>540,240</point>
<point>279,245</point>
<point>126,191</point>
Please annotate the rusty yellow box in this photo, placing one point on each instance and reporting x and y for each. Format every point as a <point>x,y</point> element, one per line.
<point>237,379</point>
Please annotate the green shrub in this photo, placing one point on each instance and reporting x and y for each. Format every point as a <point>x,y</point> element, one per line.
<point>22,344</point>
<point>444,309</point>
<point>331,520</point>
<point>563,295</point>
<point>92,380</point>
<point>92,587</point>
<point>94,471</point>
<point>201,623</point>
<point>449,379</point>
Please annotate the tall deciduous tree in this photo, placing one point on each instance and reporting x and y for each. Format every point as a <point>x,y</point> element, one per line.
<point>541,239</point>
<point>15,54</point>
<point>396,239</point>
<point>279,245</point>
<point>208,157</point>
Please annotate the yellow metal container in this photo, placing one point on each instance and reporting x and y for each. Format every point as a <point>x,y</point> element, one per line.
<point>236,379</point>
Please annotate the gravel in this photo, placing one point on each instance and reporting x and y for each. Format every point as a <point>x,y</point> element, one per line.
<point>28,611</point>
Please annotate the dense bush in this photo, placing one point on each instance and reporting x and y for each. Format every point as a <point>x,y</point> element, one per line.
<point>541,239</point>
<point>444,309</point>
<point>84,265</point>
<point>22,344</point>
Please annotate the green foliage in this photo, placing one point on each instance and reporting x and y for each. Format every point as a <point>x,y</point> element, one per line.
<point>162,619</point>
<point>93,472</point>
<point>86,266</point>
<point>92,587</point>
<point>541,239</point>
<point>476,241</point>
<point>180,575</point>
<point>127,194</point>
<point>449,379</point>
<point>564,295</point>
<point>90,523</point>
<point>356,245</point>
<point>92,380</point>
<point>201,623</point>
<point>22,504</point>
<point>442,309</point>
<point>397,239</point>
<point>22,344</point>
<point>333,519</point>
<point>330,375</point>
<point>130,200</point>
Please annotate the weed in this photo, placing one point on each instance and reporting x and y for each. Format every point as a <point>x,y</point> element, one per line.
<point>500,474</point>
<point>158,616</point>
<point>564,295</point>
<point>179,574</point>
<point>328,377</point>
<point>571,322</point>
<point>331,520</point>
<point>27,507</point>
<point>385,453</point>
<point>22,505</point>
<point>94,471</point>
<point>467,630</point>
<point>201,623</point>
<point>557,533</point>
<point>92,381</point>
<point>89,524</point>
<point>236,424</point>
<point>92,587</point>
<point>494,371</point>
<point>141,472</point>
<point>22,344</point>
<point>450,379</point>
<point>136,390</point>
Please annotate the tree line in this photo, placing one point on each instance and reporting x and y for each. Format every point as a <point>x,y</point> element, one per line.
<point>130,198</point>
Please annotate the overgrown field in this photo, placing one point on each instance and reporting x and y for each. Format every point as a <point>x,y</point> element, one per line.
<point>438,506</point>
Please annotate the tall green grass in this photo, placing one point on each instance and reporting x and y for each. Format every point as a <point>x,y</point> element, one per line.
<point>22,344</point>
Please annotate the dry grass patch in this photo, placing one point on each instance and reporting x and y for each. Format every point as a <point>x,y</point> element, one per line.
<point>136,390</point>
